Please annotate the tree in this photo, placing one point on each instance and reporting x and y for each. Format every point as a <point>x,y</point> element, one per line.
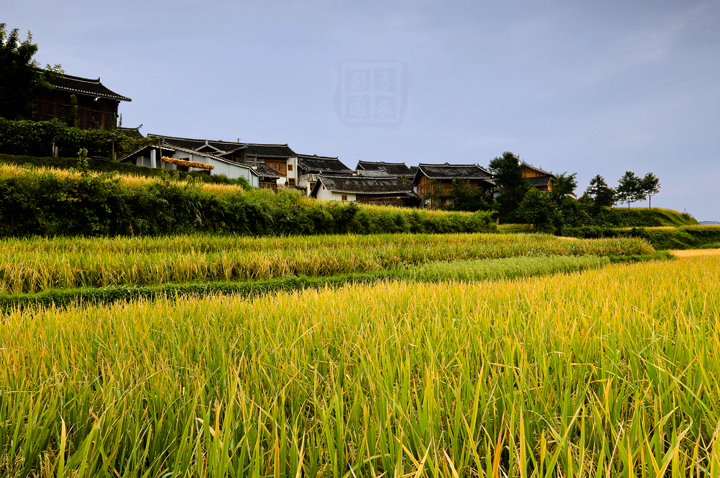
<point>467,198</point>
<point>540,210</point>
<point>600,194</point>
<point>650,185</point>
<point>21,78</point>
<point>630,188</point>
<point>507,174</point>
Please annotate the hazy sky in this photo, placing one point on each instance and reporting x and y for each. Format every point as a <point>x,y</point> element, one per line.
<point>588,87</point>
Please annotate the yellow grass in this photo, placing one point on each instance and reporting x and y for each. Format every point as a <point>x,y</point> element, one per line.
<point>684,254</point>
<point>132,181</point>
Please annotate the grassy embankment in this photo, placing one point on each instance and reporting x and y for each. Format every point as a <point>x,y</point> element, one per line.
<point>608,372</point>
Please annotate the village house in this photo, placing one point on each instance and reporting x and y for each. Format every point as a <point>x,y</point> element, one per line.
<point>177,158</point>
<point>434,182</point>
<point>370,187</point>
<point>97,106</point>
<point>309,168</point>
<point>396,169</point>
<point>538,178</point>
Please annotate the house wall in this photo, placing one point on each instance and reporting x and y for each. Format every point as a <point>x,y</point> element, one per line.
<point>531,173</point>
<point>327,195</point>
<point>288,168</point>
<point>91,113</point>
<point>230,170</point>
<point>307,181</point>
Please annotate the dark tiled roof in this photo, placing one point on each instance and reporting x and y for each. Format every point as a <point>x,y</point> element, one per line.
<point>540,181</point>
<point>85,86</point>
<point>390,168</point>
<point>265,171</point>
<point>366,185</point>
<point>321,164</point>
<point>452,171</point>
<point>534,168</point>
<point>145,149</point>
<point>131,132</point>
<point>278,150</point>
<point>198,144</point>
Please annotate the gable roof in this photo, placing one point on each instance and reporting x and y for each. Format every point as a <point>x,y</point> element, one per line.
<point>390,168</point>
<point>453,171</point>
<point>196,144</point>
<point>85,86</point>
<point>321,164</point>
<point>534,168</point>
<point>540,181</point>
<point>265,171</point>
<point>364,185</point>
<point>276,150</point>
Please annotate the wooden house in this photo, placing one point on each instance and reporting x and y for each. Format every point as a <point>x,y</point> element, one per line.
<point>373,189</point>
<point>97,105</point>
<point>434,182</point>
<point>309,168</point>
<point>538,178</point>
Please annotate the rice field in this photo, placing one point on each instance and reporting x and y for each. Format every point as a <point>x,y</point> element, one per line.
<point>606,372</point>
<point>34,265</point>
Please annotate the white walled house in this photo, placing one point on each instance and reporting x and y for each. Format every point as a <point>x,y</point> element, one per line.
<point>182,159</point>
<point>309,168</point>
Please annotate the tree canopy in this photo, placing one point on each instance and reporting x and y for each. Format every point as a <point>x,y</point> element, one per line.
<point>507,174</point>
<point>21,77</point>
<point>600,193</point>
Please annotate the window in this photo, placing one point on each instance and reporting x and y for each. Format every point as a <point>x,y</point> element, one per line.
<point>291,181</point>
<point>344,197</point>
<point>289,167</point>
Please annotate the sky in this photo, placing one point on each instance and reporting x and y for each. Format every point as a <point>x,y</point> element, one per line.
<point>580,87</point>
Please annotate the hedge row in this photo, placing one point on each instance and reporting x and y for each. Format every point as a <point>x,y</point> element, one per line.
<point>106,295</point>
<point>36,138</point>
<point>38,203</point>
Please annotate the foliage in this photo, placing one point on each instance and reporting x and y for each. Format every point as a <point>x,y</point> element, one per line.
<point>662,238</point>
<point>36,138</point>
<point>601,195</point>
<point>541,210</point>
<point>507,174</point>
<point>468,198</point>
<point>650,186</point>
<point>609,372</point>
<point>45,204</point>
<point>20,76</point>
<point>630,189</point>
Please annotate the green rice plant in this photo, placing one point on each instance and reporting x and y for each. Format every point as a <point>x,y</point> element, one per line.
<point>608,372</point>
<point>34,265</point>
<point>485,269</point>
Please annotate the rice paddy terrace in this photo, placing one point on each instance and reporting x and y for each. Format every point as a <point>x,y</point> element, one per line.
<point>393,355</point>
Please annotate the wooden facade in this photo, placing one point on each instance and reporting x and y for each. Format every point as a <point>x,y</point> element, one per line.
<point>538,178</point>
<point>97,106</point>
<point>434,182</point>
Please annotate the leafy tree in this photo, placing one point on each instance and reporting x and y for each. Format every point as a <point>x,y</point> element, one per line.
<point>540,209</point>
<point>650,185</point>
<point>630,188</point>
<point>468,198</point>
<point>21,78</point>
<point>600,194</point>
<point>507,173</point>
<point>564,185</point>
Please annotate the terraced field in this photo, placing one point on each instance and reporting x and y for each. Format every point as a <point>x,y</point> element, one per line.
<point>453,362</point>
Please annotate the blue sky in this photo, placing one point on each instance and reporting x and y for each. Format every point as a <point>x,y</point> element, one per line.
<point>585,87</point>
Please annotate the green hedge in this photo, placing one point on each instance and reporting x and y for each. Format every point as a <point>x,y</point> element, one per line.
<point>36,138</point>
<point>38,203</point>
<point>107,166</point>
